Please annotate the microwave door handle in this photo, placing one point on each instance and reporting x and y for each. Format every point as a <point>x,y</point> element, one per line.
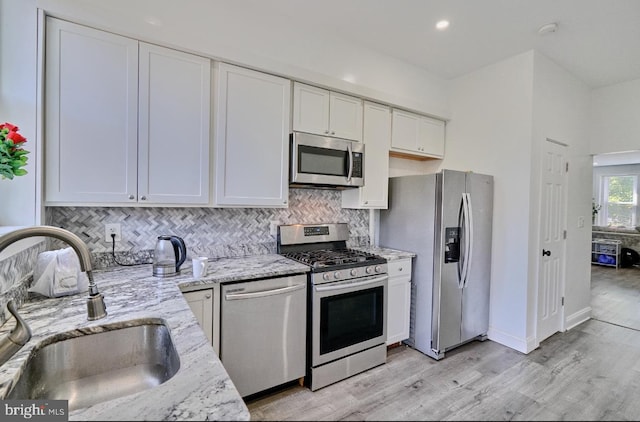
<point>350,152</point>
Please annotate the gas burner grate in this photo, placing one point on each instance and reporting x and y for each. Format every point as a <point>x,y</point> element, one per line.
<point>325,258</point>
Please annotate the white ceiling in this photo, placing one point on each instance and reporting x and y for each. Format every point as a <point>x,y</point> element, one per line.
<point>598,41</point>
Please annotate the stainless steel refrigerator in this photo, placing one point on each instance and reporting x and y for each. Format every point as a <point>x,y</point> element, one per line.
<point>446,219</point>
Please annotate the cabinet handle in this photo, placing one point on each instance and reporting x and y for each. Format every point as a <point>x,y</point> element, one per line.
<point>366,202</point>
<point>132,197</point>
<point>207,296</point>
<point>326,132</point>
<point>400,269</point>
<point>333,132</point>
<point>284,202</point>
<point>143,198</point>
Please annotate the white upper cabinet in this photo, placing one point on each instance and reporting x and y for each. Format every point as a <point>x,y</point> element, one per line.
<point>126,122</point>
<point>324,112</point>
<point>376,138</point>
<point>251,138</point>
<point>413,134</point>
<point>91,114</point>
<point>173,132</point>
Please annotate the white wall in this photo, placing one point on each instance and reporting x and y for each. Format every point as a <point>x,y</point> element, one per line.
<point>490,132</point>
<point>615,122</point>
<point>18,35</point>
<point>561,112</point>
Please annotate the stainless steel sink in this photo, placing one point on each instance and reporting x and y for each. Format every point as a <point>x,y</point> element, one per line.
<point>96,367</point>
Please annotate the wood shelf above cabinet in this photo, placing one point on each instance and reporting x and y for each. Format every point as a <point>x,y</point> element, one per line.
<point>409,156</point>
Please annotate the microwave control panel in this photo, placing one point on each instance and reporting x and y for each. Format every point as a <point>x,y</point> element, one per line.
<point>357,164</point>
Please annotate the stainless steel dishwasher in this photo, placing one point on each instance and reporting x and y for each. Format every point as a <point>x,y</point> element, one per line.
<point>263,332</point>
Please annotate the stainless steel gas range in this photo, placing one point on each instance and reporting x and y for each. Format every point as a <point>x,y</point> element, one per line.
<point>347,301</point>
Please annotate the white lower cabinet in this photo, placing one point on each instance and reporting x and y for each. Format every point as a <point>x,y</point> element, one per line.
<point>399,300</point>
<point>204,305</point>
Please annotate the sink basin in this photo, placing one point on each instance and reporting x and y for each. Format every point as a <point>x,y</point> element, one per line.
<point>96,367</point>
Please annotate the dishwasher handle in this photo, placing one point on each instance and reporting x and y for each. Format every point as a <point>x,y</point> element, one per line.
<point>264,293</point>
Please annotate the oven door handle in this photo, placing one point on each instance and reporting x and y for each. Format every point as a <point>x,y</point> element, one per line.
<point>253,295</point>
<point>342,286</point>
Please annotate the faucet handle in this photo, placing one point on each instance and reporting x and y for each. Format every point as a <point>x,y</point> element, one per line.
<point>21,333</point>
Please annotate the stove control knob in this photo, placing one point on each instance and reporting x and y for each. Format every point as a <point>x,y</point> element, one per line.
<point>354,272</point>
<point>378,268</point>
<point>369,270</point>
<point>326,276</point>
<point>336,275</point>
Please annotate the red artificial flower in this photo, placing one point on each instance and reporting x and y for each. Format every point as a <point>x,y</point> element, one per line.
<point>12,128</point>
<point>16,137</point>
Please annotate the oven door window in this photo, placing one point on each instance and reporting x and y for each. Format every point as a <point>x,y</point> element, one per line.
<point>314,160</point>
<point>351,318</point>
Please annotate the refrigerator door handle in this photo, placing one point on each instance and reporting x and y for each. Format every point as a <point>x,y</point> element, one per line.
<point>468,233</point>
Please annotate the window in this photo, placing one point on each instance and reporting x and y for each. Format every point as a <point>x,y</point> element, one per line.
<point>619,198</point>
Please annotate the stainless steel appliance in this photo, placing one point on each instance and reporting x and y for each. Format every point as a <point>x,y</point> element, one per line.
<point>347,301</point>
<point>322,161</point>
<point>169,254</point>
<point>446,219</point>
<point>263,332</point>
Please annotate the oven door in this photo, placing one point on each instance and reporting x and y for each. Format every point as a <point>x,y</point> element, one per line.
<point>348,317</point>
<point>326,161</point>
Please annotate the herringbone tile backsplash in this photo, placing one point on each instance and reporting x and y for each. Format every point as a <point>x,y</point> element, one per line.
<point>211,232</point>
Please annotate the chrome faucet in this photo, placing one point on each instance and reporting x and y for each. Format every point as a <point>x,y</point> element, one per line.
<point>96,308</point>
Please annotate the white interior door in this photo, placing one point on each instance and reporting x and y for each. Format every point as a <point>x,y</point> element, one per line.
<point>552,239</point>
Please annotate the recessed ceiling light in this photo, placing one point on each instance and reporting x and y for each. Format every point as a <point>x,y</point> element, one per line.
<point>548,28</point>
<point>442,25</point>
<point>152,20</point>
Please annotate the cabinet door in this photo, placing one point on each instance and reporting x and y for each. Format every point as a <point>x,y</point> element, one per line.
<point>201,304</point>
<point>252,138</point>
<point>431,136</point>
<point>174,114</point>
<point>310,109</point>
<point>345,116</point>
<point>417,135</point>
<point>91,113</point>
<point>399,301</point>
<point>376,138</point>
<point>404,134</point>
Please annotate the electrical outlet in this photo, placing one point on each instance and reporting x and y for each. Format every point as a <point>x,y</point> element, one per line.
<point>273,227</point>
<point>112,228</point>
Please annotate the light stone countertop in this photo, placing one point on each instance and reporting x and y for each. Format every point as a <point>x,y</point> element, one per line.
<point>387,253</point>
<point>201,389</point>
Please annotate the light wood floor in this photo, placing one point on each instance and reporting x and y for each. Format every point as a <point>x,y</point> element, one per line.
<point>615,295</point>
<point>591,372</point>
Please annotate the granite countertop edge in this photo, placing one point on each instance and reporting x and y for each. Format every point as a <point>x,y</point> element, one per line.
<point>388,253</point>
<point>201,389</point>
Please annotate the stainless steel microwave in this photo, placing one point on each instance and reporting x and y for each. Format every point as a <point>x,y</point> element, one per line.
<point>325,162</point>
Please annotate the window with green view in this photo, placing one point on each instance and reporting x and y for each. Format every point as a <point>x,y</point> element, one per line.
<point>620,194</point>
